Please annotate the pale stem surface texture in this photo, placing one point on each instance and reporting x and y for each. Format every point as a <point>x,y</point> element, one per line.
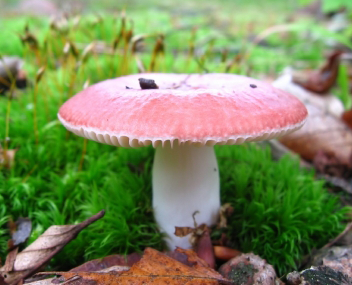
<point>185,180</point>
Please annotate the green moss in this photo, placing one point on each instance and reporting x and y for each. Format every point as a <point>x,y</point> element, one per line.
<point>281,211</point>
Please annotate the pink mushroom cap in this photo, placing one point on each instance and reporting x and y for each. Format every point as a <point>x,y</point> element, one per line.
<point>207,109</point>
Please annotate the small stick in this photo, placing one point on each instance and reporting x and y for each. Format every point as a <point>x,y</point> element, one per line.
<point>35,93</point>
<point>29,173</point>
<point>84,151</point>
<point>335,240</point>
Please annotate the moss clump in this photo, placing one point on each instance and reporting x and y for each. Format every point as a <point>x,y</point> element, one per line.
<point>280,211</point>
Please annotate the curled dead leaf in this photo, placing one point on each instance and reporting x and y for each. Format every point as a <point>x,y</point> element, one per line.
<point>347,118</point>
<point>33,257</point>
<point>320,81</point>
<point>108,261</point>
<point>225,253</point>
<point>204,249</point>
<point>321,132</point>
<point>226,211</point>
<point>154,268</point>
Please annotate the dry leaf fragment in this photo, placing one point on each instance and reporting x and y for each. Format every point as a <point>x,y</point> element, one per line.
<point>7,158</point>
<point>108,261</point>
<point>10,69</point>
<point>10,259</point>
<point>225,253</point>
<point>320,81</point>
<point>33,257</point>
<point>347,118</point>
<point>226,211</point>
<point>328,163</point>
<point>154,268</point>
<point>205,249</point>
<point>183,231</point>
<point>321,132</point>
<point>200,241</point>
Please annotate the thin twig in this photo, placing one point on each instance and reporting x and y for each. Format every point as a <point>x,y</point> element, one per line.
<point>341,235</point>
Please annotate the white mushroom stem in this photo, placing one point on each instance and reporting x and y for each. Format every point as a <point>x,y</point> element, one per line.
<point>185,180</point>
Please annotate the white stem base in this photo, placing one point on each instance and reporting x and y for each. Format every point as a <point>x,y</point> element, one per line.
<point>185,180</point>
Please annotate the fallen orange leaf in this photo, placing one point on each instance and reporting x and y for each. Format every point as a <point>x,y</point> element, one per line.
<point>154,268</point>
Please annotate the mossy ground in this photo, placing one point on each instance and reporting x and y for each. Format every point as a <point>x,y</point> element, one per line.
<point>281,211</point>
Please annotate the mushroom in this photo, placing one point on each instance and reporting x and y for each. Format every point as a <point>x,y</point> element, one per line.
<point>182,119</point>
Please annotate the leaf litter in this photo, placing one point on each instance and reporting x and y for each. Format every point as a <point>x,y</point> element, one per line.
<point>19,266</point>
<point>154,268</point>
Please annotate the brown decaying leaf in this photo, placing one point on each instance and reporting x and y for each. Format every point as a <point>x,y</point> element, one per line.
<point>225,253</point>
<point>108,261</point>
<point>204,249</point>
<point>347,117</point>
<point>226,211</point>
<point>33,257</point>
<point>10,69</point>
<point>121,260</point>
<point>200,240</point>
<point>183,231</point>
<point>154,268</point>
<point>328,164</point>
<point>321,132</point>
<point>320,81</point>
<point>10,259</point>
<point>7,158</point>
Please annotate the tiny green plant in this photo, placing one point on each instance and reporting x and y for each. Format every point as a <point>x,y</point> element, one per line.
<point>281,211</point>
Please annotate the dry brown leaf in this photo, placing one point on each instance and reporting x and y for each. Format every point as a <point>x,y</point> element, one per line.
<point>108,261</point>
<point>226,211</point>
<point>10,259</point>
<point>199,237</point>
<point>321,132</point>
<point>320,81</point>
<point>33,257</point>
<point>10,69</point>
<point>327,163</point>
<point>154,268</point>
<point>204,248</point>
<point>7,158</point>
<point>347,118</point>
<point>225,253</point>
<point>183,231</point>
